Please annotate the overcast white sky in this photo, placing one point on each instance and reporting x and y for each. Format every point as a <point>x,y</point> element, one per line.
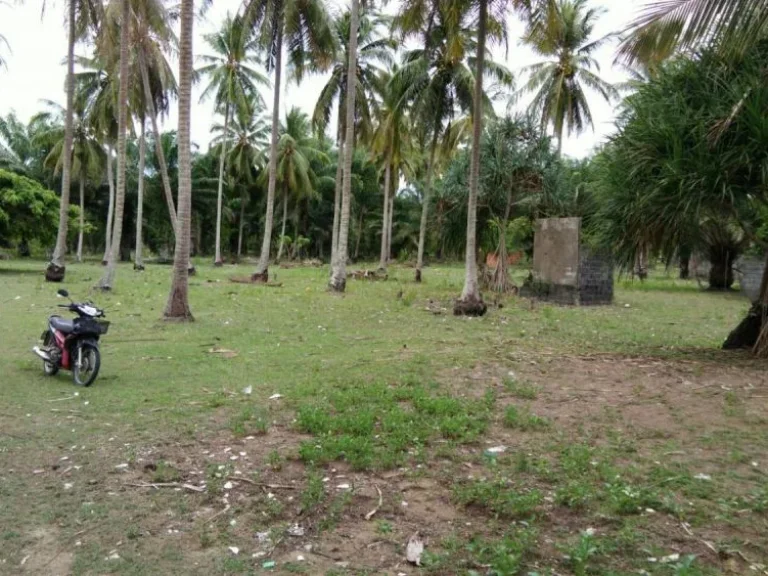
<point>36,69</point>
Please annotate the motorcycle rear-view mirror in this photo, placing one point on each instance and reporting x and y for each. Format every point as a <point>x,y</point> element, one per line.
<point>62,293</point>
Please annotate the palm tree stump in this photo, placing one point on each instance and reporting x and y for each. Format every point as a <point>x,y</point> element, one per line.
<point>470,306</point>
<point>54,273</point>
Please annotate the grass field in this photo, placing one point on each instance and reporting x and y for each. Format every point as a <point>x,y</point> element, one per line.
<point>537,440</point>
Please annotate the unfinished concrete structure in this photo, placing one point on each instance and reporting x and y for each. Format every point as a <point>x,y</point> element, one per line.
<point>566,271</point>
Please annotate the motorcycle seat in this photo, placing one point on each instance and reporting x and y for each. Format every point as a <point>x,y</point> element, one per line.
<point>62,324</point>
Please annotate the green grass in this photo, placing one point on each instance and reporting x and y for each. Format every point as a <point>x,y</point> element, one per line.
<point>375,392</point>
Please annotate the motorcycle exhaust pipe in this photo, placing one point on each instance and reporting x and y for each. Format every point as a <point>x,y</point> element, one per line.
<point>42,353</point>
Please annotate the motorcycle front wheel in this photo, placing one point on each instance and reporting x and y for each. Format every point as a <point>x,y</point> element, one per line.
<point>49,368</point>
<point>85,364</point>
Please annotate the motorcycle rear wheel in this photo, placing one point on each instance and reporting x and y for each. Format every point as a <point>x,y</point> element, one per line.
<point>86,362</point>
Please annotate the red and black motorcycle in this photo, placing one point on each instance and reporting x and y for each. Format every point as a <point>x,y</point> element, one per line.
<point>73,344</point>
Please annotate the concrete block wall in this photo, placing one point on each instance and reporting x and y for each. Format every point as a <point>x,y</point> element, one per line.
<point>595,277</point>
<point>750,272</point>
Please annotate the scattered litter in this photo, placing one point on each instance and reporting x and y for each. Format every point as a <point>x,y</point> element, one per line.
<point>243,454</point>
<point>68,486</point>
<point>258,554</point>
<point>235,550</point>
<point>122,466</point>
<point>404,504</point>
<point>268,564</point>
<point>295,530</point>
<point>233,458</point>
<point>754,464</point>
<point>275,396</point>
<point>343,487</point>
<point>308,547</point>
<point>228,486</point>
<point>381,501</point>
<point>247,389</point>
<point>300,558</point>
<point>496,450</point>
<point>232,522</point>
<point>627,306</point>
<point>113,555</point>
<point>270,496</point>
<point>342,564</point>
<point>37,471</point>
<point>650,511</point>
<point>705,477</point>
<point>23,560</point>
<point>78,543</point>
<point>414,549</point>
<point>670,558</point>
<point>263,537</point>
<point>589,531</point>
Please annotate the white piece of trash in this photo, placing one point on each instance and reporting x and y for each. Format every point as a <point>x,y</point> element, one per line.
<point>275,396</point>
<point>235,550</point>
<point>414,549</point>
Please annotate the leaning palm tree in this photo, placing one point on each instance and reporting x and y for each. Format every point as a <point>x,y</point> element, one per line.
<point>234,84</point>
<point>177,307</point>
<point>373,50</point>
<point>4,42</point>
<point>565,41</point>
<point>304,27</point>
<point>438,81</point>
<point>87,154</point>
<point>152,38</point>
<point>83,16</point>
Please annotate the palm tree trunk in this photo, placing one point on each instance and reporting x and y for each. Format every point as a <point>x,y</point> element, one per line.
<point>426,199</point>
<point>391,213</point>
<point>338,281</point>
<point>262,269</point>
<point>385,219</point>
<point>138,263</point>
<point>471,303</point>
<point>240,233</point>
<point>337,191</point>
<point>82,219</point>
<point>122,134</point>
<point>158,143</point>
<point>359,234</point>
<point>177,307</point>
<point>217,259</point>
<point>111,208</point>
<point>56,268</point>
<point>337,202</point>
<point>285,219</point>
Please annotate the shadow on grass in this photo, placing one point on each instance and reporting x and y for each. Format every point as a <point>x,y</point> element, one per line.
<point>22,271</point>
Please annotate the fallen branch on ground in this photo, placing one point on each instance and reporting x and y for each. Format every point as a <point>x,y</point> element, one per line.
<point>157,485</point>
<point>378,506</point>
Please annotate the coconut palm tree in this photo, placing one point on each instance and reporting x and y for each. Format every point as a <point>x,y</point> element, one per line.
<point>304,27</point>
<point>338,281</point>
<point>177,307</point>
<point>88,156</point>
<point>153,82</point>
<point>96,87</point>
<point>392,142</point>
<point>248,133</point>
<point>437,79</point>
<point>234,84</point>
<point>124,7</point>
<point>83,16</point>
<point>665,26</point>
<point>297,150</point>
<point>566,42</point>
<point>373,50</point>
